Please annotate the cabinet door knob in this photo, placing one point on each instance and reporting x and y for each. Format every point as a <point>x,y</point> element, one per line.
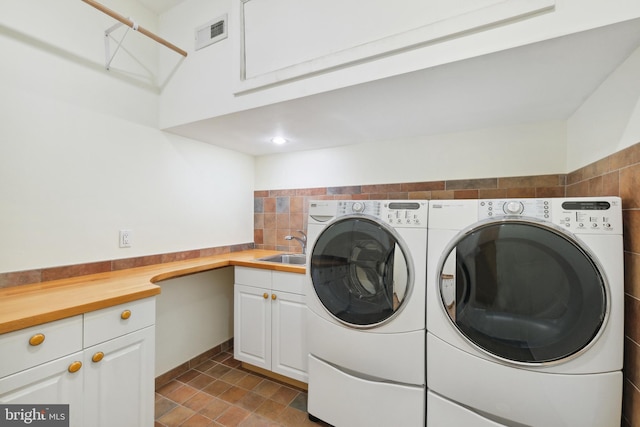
<point>75,366</point>
<point>37,339</point>
<point>273,296</point>
<point>98,356</point>
<point>265,295</point>
<point>125,314</point>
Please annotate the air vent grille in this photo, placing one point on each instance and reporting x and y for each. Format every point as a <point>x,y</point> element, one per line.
<point>211,32</point>
<point>217,29</point>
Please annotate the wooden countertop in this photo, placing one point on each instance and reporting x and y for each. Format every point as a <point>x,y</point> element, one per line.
<point>34,304</point>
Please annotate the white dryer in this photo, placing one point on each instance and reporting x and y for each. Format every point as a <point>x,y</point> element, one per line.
<point>525,312</point>
<point>365,292</point>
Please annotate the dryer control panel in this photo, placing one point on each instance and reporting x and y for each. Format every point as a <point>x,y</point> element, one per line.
<point>535,208</point>
<point>397,213</point>
<point>590,216</point>
<point>580,215</point>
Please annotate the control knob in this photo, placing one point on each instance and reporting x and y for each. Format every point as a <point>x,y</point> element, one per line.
<point>357,207</point>
<point>513,208</point>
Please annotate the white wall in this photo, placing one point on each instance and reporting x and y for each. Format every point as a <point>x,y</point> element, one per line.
<point>193,314</point>
<point>81,156</point>
<point>527,149</point>
<point>202,82</point>
<point>609,120</point>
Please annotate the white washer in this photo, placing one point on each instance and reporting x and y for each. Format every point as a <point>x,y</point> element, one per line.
<point>525,312</point>
<point>365,291</point>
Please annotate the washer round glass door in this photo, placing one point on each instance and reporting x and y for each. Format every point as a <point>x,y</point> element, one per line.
<point>523,291</point>
<point>361,271</point>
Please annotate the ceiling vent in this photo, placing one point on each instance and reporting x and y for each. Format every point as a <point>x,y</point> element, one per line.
<point>211,32</point>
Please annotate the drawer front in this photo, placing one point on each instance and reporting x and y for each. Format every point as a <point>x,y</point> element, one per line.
<point>253,277</point>
<point>288,282</point>
<point>112,322</point>
<point>33,346</point>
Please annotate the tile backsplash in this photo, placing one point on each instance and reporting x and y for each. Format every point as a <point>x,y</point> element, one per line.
<point>38,275</point>
<point>278,213</point>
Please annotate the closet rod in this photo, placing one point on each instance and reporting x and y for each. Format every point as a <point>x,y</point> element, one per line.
<point>132,24</point>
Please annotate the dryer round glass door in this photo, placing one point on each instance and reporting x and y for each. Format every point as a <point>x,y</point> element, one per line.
<point>523,291</point>
<point>361,271</point>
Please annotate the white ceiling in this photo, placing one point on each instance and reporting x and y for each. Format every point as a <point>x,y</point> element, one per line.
<point>539,82</point>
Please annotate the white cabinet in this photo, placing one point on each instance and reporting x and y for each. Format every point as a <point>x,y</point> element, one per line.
<point>269,321</point>
<point>278,47</point>
<point>49,383</point>
<point>101,364</point>
<point>288,341</point>
<point>42,365</point>
<point>119,365</point>
<point>252,325</point>
<point>119,386</point>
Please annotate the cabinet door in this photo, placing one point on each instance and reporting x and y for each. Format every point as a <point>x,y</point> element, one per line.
<point>289,335</point>
<point>49,383</point>
<point>252,325</point>
<point>119,387</point>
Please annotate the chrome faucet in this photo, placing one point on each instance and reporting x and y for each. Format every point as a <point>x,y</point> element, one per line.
<point>302,240</point>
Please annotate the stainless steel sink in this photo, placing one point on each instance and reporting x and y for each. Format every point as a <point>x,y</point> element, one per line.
<point>297,259</point>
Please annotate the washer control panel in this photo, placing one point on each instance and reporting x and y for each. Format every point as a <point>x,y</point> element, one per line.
<point>536,208</point>
<point>579,215</point>
<point>590,216</point>
<point>397,213</point>
<point>368,207</point>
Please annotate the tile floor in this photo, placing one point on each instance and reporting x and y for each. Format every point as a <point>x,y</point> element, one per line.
<point>221,393</point>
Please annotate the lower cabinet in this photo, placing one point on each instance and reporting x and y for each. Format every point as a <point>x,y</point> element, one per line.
<point>288,341</point>
<point>269,321</point>
<point>119,381</point>
<point>49,383</point>
<point>106,374</point>
<point>252,325</point>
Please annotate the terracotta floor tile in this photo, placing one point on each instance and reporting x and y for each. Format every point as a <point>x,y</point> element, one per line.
<point>232,416</point>
<point>270,409</point>
<point>231,362</point>
<point>255,420</point>
<point>205,365</point>
<point>293,418</point>
<point>169,387</point>
<point>198,421</point>
<point>251,401</point>
<point>216,388</point>
<point>219,392</point>
<point>188,376</point>
<point>214,409</point>
<point>181,394</point>
<point>199,401</point>
<point>267,388</point>
<point>221,357</point>
<point>163,405</point>
<point>233,394</point>
<point>176,416</point>
<point>201,381</point>
<point>284,395</point>
<point>249,382</point>
<point>233,376</point>
<point>300,402</point>
<point>217,371</point>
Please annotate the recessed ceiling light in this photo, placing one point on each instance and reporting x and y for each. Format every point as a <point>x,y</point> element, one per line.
<point>278,140</point>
